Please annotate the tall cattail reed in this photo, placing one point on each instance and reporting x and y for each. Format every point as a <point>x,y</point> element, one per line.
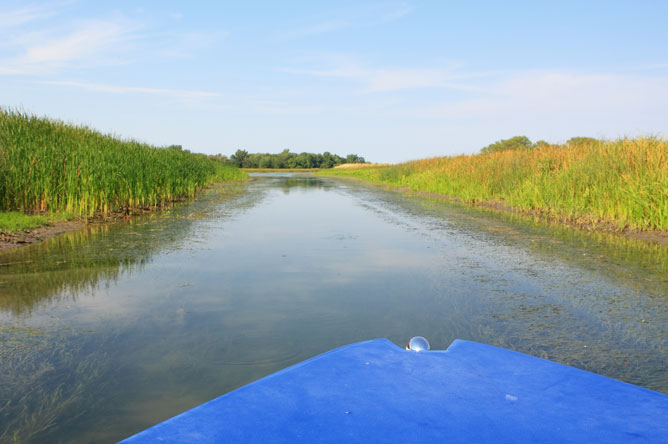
<point>624,182</point>
<point>49,166</point>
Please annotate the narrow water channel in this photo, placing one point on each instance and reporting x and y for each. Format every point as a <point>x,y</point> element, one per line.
<point>107,331</point>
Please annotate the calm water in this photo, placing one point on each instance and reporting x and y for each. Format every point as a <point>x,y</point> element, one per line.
<point>108,331</point>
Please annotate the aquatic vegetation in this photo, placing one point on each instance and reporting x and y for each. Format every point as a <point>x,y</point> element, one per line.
<point>623,183</point>
<point>13,221</point>
<point>38,397</point>
<point>50,166</point>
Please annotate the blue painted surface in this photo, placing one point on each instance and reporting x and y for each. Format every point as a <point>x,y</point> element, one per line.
<point>375,391</point>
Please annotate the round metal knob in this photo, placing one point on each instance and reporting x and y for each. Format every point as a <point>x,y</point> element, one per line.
<point>418,343</point>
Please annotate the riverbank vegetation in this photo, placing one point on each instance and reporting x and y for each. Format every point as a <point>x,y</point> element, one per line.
<point>47,167</point>
<point>281,170</point>
<point>613,184</point>
<point>14,221</point>
<point>287,160</point>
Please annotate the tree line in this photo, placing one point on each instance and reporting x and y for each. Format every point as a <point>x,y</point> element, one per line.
<point>287,159</point>
<point>523,142</point>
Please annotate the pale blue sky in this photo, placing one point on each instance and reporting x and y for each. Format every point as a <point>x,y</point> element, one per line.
<point>388,80</point>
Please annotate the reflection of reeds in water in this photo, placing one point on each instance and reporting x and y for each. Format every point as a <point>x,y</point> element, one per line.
<point>45,383</point>
<point>61,267</point>
<point>81,261</point>
<point>54,379</point>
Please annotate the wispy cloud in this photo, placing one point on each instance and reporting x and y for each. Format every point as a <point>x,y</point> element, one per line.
<point>556,105</point>
<point>88,42</point>
<point>281,108</point>
<point>47,40</point>
<point>359,16</point>
<point>188,44</point>
<point>118,89</point>
<point>25,15</point>
<point>650,67</point>
<point>375,80</point>
<point>91,38</point>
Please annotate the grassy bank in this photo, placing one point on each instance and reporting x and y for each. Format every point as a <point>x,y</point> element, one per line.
<point>13,221</point>
<point>622,183</point>
<point>48,166</point>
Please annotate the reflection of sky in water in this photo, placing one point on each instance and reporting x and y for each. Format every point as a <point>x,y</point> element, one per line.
<point>231,289</point>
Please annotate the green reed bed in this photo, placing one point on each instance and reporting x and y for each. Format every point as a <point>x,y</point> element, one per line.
<point>50,166</point>
<point>622,183</point>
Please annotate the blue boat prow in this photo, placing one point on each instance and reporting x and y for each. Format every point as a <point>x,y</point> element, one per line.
<point>374,391</point>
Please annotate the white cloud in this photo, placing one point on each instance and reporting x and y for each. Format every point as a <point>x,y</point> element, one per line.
<point>189,43</point>
<point>280,108</point>
<point>393,79</point>
<point>23,16</point>
<point>555,106</point>
<point>321,27</point>
<point>117,89</point>
<point>574,93</point>
<point>91,42</point>
<point>46,40</point>
<point>397,13</point>
<point>359,16</point>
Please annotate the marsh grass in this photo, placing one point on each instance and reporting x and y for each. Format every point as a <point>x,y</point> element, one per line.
<point>14,221</point>
<point>623,183</point>
<point>49,166</point>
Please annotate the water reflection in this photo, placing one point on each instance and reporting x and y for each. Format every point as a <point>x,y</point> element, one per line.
<point>107,332</point>
<point>293,181</point>
<point>80,262</point>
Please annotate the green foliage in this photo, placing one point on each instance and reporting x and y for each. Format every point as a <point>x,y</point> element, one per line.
<point>237,159</point>
<point>541,144</point>
<point>13,221</point>
<point>354,158</point>
<point>49,166</point>
<point>514,143</point>
<point>288,160</point>
<point>623,183</point>
<point>583,141</point>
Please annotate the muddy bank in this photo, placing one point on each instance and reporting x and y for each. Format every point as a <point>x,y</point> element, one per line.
<point>9,241</point>
<point>660,237</point>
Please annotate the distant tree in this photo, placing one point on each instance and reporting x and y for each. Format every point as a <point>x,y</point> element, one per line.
<point>304,160</point>
<point>239,157</point>
<point>328,160</point>
<point>265,161</point>
<point>541,144</point>
<point>286,159</point>
<point>354,158</point>
<point>514,143</point>
<point>175,147</point>
<point>580,141</point>
<point>221,158</point>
